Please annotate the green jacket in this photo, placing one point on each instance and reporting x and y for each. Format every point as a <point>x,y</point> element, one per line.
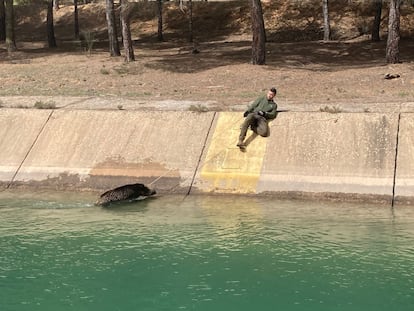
<point>268,106</point>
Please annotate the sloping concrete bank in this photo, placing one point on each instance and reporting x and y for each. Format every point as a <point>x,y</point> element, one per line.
<point>347,155</point>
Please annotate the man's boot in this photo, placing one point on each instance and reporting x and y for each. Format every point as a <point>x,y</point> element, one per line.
<point>241,144</point>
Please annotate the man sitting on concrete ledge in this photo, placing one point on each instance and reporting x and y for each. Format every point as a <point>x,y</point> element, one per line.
<point>258,115</point>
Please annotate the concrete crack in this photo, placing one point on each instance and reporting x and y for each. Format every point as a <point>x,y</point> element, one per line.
<point>30,149</point>
<point>201,153</point>
<point>395,160</point>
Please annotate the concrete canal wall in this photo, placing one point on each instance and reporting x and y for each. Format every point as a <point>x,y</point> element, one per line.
<point>309,154</point>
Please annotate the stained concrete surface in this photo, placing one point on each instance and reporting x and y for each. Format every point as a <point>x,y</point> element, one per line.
<point>331,154</point>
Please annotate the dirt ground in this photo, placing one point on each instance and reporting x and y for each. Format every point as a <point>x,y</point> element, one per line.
<point>346,72</point>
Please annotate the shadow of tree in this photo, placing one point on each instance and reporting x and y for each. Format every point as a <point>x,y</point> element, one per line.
<point>307,55</point>
<point>181,59</point>
<point>334,54</point>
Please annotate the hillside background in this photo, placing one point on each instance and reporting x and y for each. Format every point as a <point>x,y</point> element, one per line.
<point>285,20</point>
<point>345,71</point>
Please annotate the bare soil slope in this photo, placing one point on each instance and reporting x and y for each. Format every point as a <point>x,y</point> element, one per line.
<point>347,71</point>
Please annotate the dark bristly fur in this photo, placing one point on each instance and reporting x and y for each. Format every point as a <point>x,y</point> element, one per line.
<point>123,193</point>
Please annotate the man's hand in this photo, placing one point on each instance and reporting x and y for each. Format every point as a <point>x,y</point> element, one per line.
<point>245,114</point>
<point>261,113</point>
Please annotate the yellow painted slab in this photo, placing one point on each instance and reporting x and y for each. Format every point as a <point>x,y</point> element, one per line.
<point>226,169</point>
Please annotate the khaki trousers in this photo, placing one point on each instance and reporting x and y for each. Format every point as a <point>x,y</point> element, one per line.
<point>257,123</point>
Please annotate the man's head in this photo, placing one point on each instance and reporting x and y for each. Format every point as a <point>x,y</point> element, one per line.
<point>271,93</point>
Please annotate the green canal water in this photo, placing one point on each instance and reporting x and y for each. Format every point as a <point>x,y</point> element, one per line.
<point>60,252</point>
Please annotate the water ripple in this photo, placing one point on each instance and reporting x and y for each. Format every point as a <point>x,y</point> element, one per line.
<point>216,251</point>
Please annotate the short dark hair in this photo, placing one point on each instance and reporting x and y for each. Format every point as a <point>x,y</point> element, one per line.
<point>273,90</point>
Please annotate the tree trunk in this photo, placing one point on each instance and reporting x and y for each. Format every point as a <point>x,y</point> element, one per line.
<point>126,32</point>
<point>112,33</point>
<point>190,21</point>
<point>326,22</point>
<point>259,34</point>
<point>160,34</point>
<point>10,38</point>
<point>375,33</point>
<point>76,16</point>
<point>51,40</point>
<point>393,40</point>
<point>2,21</point>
